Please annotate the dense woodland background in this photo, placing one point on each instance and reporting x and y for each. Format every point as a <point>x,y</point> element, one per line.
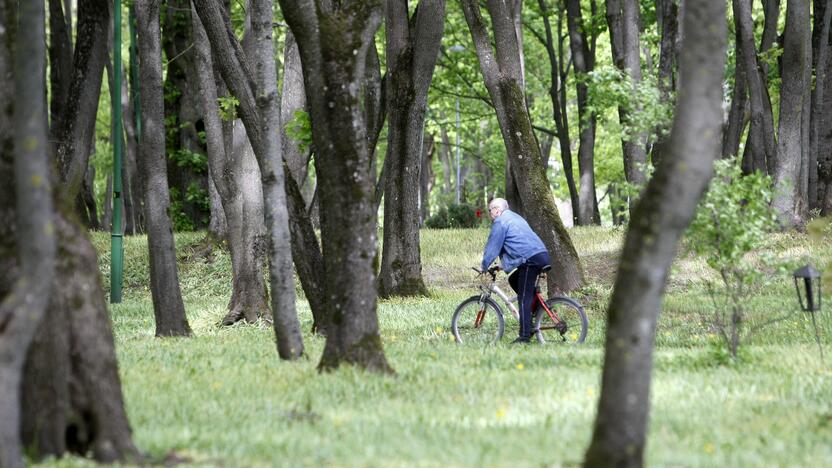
<point>314,139</point>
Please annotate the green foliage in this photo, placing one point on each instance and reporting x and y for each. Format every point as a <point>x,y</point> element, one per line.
<point>300,129</point>
<point>732,221</point>
<point>185,158</point>
<point>181,220</point>
<point>198,197</point>
<point>228,107</point>
<point>609,87</point>
<point>453,217</point>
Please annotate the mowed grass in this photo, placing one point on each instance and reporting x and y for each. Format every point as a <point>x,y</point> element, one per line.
<point>223,398</point>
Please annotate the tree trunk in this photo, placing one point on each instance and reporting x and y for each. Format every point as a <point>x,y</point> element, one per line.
<point>132,129</point>
<point>735,125</point>
<point>72,400</point>
<point>262,120</point>
<point>78,122</point>
<point>445,159</point>
<point>60,63</point>
<point>761,141</point>
<point>164,277</point>
<point>426,177</point>
<point>412,48</point>
<point>333,40</point>
<point>662,214</point>
<point>502,78</point>
<point>788,202</point>
<point>236,177</point>
<point>559,106</point>
<point>667,12</point>
<point>27,238</point>
<point>292,101</point>
<point>583,60</point>
<point>820,52</point>
<point>825,142</point>
<point>623,21</point>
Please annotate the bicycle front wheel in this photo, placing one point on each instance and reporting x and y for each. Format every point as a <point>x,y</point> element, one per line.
<point>566,324</point>
<point>478,320</point>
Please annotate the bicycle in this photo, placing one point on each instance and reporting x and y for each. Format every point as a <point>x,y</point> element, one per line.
<point>479,319</point>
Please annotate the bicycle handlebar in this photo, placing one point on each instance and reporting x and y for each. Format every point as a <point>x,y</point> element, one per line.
<point>492,271</point>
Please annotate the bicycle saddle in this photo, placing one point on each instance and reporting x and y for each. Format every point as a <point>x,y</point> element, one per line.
<point>546,268</point>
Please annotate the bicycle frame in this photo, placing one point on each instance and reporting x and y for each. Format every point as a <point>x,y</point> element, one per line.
<point>510,301</point>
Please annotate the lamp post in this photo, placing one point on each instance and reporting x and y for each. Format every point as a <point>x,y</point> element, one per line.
<point>116,241</point>
<point>809,296</point>
<point>455,49</point>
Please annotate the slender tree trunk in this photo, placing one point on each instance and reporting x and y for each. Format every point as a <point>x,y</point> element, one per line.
<point>426,177</point>
<point>333,40</point>
<point>761,139</point>
<point>293,101</point>
<point>78,121</point>
<point>445,159</point>
<point>262,120</point>
<point>60,63</point>
<point>412,48</point>
<point>583,59</point>
<point>667,12</point>
<point>164,277</point>
<point>558,106</point>
<point>502,78</point>
<point>662,214</point>
<point>825,141</point>
<point>234,173</point>
<point>27,238</point>
<point>623,22</point>
<point>735,125</point>
<point>788,200</point>
<point>820,52</point>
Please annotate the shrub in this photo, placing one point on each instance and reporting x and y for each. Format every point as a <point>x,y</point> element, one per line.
<point>454,216</point>
<point>733,220</point>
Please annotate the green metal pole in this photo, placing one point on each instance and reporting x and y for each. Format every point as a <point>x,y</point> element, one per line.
<point>116,241</point>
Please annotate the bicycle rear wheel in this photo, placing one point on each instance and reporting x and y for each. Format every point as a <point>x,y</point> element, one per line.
<point>478,320</point>
<point>569,325</point>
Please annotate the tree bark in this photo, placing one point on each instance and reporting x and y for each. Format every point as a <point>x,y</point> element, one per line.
<point>788,202</point>
<point>623,21</point>
<point>820,52</point>
<point>735,125</point>
<point>333,40</point>
<point>237,180</point>
<point>502,78</point>
<point>259,110</point>
<point>761,140</point>
<point>662,214</point>
<point>667,12</point>
<point>27,236</point>
<point>412,48</point>
<point>292,101</point>
<point>583,60</point>
<point>60,63</point>
<point>426,177</point>
<point>559,106</point>
<point>168,307</point>
<point>78,121</point>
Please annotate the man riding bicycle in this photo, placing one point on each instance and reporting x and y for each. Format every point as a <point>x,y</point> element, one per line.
<point>522,256</point>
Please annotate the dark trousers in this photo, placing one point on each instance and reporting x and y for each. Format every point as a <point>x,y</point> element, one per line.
<point>522,280</point>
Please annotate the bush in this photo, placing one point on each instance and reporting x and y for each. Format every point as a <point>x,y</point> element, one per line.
<point>455,216</point>
<point>732,221</point>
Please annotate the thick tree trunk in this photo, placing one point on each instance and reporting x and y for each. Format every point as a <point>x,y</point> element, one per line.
<point>333,40</point>
<point>825,142</point>
<point>583,59</point>
<point>662,214</point>
<point>27,237</point>
<point>164,277</point>
<point>412,48</point>
<point>262,120</point>
<point>623,21</point>
<point>292,101</point>
<point>72,400</point>
<point>78,120</point>
<point>502,78</point>
<point>236,177</point>
<point>788,200</point>
<point>761,140</point>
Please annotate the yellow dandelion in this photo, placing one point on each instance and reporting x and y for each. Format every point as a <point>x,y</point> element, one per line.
<point>439,330</point>
<point>590,392</point>
<point>520,366</point>
<point>501,413</point>
<point>709,448</point>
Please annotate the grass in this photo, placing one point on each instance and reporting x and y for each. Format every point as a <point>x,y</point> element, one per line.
<point>224,398</point>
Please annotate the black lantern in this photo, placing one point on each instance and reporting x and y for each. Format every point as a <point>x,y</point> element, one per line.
<point>809,295</point>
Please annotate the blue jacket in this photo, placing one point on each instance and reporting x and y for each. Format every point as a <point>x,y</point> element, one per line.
<point>513,240</point>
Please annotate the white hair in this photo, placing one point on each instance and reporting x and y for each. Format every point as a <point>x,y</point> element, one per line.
<point>500,203</point>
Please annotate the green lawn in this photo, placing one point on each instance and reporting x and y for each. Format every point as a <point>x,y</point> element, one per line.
<point>224,398</point>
